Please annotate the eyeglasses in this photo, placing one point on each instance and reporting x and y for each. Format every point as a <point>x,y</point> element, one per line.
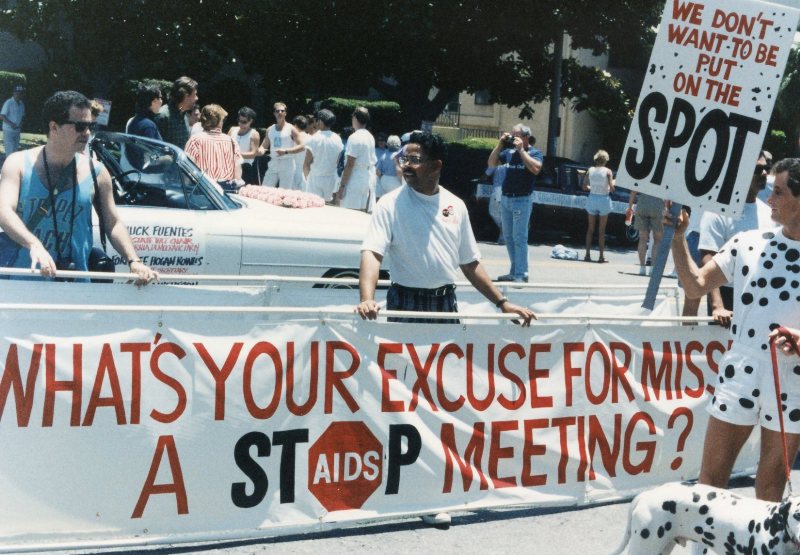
<point>413,160</point>
<point>761,168</point>
<point>81,126</point>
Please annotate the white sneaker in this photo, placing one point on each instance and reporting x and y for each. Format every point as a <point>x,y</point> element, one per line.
<point>439,519</point>
<point>642,270</point>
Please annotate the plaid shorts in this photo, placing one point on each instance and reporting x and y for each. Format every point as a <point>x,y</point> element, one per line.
<point>441,299</point>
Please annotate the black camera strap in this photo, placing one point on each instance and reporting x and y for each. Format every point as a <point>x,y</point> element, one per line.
<point>98,207</point>
<point>52,194</point>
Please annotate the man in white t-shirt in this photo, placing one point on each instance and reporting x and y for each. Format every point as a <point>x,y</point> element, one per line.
<point>322,154</point>
<point>717,229</point>
<point>357,186</point>
<point>12,114</point>
<point>424,229</point>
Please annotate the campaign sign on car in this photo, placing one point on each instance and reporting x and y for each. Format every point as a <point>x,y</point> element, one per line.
<point>706,101</point>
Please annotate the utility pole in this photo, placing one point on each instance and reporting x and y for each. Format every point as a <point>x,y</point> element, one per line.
<point>554,121</point>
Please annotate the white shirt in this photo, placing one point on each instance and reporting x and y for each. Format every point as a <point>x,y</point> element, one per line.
<point>244,143</point>
<point>14,111</point>
<point>716,230</point>
<point>598,180</point>
<point>425,237</point>
<point>325,147</point>
<point>280,139</point>
<point>361,146</point>
<point>764,266</point>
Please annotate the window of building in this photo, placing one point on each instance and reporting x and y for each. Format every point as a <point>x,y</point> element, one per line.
<point>483,98</point>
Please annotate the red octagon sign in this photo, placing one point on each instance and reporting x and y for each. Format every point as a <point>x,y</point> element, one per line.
<point>345,466</point>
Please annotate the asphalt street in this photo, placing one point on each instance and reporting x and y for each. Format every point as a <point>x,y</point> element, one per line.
<point>590,531</point>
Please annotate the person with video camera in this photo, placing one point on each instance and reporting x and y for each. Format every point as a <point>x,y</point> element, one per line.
<point>46,198</point>
<point>521,162</point>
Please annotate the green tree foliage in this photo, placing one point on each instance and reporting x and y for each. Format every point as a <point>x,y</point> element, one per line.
<point>314,48</point>
<point>785,123</point>
<point>8,80</point>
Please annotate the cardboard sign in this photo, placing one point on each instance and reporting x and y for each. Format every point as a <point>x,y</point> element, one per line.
<point>102,119</point>
<point>706,101</point>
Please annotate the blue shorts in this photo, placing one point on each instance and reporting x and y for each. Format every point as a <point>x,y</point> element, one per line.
<point>598,205</point>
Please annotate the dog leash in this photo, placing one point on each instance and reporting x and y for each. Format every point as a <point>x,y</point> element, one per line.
<point>786,334</point>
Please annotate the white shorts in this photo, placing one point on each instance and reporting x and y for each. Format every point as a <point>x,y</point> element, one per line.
<point>745,390</point>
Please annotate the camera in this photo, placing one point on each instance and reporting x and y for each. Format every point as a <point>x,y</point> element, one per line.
<point>508,141</point>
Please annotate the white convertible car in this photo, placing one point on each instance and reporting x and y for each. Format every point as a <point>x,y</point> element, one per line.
<point>183,223</point>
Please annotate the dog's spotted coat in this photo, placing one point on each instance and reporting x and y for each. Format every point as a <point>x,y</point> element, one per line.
<point>724,522</point>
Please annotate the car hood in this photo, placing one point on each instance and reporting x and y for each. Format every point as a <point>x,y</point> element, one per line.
<point>324,222</point>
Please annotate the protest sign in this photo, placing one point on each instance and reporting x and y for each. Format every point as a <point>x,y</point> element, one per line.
<point>706,101</point>
<point>122,428</point>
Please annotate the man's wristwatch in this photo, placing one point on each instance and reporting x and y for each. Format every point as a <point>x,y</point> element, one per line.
<point>132,260</point>
<point>501,302</point>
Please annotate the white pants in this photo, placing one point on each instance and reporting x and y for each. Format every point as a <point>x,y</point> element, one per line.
<point>299,179</point>
<point>322,185</point>
<point>360,191</point>
<point>11,140</point>
<point>280,171</point>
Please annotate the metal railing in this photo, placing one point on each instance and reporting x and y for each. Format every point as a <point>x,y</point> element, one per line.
<point>449,118</point>
<point>263,280</point>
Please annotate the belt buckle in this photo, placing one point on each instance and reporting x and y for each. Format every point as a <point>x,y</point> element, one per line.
<point>440,291</point>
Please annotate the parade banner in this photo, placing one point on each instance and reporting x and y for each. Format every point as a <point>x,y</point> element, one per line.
<point>706,101</point>
<point>123,428</point>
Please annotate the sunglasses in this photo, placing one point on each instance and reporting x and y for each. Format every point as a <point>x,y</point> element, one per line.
<point>414,160</point>
<point>81,126</point>
<point>280,111</point>
<point>244,121</point>
<point>761,168</point>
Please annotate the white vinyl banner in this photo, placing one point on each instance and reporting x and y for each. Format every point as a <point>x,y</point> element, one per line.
<point>148,427</point>
<point>706,101</point>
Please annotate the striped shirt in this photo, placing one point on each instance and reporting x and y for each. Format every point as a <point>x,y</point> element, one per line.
<point>215,153</point>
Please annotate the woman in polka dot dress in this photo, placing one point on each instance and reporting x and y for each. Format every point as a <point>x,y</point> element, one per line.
<point>764,267</point>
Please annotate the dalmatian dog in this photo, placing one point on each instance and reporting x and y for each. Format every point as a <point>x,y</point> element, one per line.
<point>717,519</point>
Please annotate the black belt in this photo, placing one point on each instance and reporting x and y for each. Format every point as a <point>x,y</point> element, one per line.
<point>517,194</point>
<point>435,292</point>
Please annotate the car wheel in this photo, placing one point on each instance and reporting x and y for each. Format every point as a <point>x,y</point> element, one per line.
<point>631,234</point>
<point>347,273</point>
<point>339,273</point>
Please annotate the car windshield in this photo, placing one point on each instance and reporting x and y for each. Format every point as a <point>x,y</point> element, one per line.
<point>151,173</point>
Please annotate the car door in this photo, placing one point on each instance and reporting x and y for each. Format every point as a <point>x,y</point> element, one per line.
<point>178,222</point>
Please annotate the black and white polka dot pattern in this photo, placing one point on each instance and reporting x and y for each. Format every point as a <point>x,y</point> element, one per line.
<point>764,267</point>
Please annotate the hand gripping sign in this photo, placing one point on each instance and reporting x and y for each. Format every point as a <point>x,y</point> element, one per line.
<point>705,104</point>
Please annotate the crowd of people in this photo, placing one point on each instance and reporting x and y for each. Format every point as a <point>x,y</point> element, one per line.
<point>351,170</point>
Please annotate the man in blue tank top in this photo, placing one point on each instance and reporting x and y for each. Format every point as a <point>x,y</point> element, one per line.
<point>46,197</point>
<point>521,163</point>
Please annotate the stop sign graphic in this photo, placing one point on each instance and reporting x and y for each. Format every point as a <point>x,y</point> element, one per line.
<point>345,466</point>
